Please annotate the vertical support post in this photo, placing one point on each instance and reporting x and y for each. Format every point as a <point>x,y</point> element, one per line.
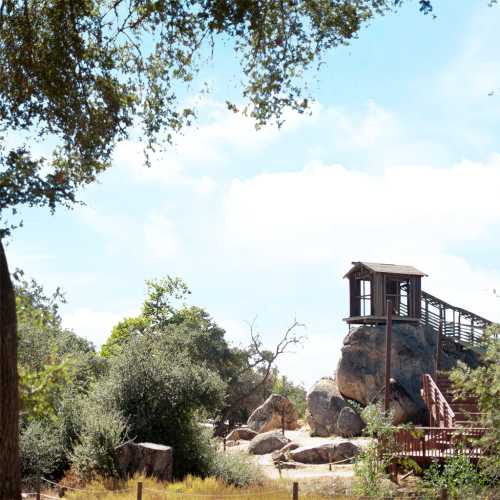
<point>438,346</point>
<point>388,345</point>
<point>139,490</point>
<point>295,491</point>
<point>224,441</point>
<point>283,422</point>
<point>62,491</point>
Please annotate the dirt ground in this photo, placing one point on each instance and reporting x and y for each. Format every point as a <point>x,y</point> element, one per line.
<point>301,436</point>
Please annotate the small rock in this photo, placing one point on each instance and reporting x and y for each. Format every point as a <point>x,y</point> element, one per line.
<point>282,454</point>
<point>243,433</point>
<point>349,423</point>
<point>267,443</point>
<point>269,415</point>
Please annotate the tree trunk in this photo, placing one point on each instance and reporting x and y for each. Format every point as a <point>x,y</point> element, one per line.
<point>10,475</point>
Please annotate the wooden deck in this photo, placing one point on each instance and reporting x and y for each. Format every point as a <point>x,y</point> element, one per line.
<point>429,444</point>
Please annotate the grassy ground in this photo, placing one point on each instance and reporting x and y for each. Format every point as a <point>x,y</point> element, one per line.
<point>191,488</point>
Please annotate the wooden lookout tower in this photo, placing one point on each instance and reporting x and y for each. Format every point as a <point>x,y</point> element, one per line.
<point>371,285</point>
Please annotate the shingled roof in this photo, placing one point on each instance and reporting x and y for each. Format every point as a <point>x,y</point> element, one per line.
<point>377,267</point>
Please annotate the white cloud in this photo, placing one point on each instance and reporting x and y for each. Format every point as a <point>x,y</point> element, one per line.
<point>160,236</point>
<point>410,214</point>
<point>94,325</point>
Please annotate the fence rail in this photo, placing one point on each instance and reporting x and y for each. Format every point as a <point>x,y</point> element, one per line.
<point>425,444</point>
<point>440,412</point>
<point>458,324</point>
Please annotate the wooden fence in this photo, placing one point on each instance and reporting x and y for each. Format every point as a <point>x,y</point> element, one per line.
<point>426,444</point>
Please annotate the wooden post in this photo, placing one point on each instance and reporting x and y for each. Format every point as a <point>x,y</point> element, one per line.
<point>444,494</point>
<point>139,490</point>
<point>295,491</point>
<point>388,345</point>
<point>438,347</point>
<point>283,423</point>
<point>224,441</point>
<point>38,488</point>
<point>62,491</point>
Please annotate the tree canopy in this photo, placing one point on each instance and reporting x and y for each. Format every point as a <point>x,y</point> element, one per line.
<point>80,74</point>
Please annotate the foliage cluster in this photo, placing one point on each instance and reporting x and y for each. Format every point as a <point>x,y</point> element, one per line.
<point>159,375</point>
<point>371,464</point>
<point>484,383</point>
<point>458,477</point>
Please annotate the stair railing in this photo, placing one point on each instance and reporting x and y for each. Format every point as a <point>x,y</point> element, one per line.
<point>440,412</point>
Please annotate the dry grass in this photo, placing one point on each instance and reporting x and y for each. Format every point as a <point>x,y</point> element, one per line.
<point>192,488</point>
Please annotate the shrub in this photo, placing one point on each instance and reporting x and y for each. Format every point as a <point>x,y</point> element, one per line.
<point>237,469</point>
<point>41,449</point>
<point>160,392</point>
<point>458,476</point>
<point>101,431</point>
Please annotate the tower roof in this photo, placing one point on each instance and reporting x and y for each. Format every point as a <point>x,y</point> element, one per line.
<point>377,267</point>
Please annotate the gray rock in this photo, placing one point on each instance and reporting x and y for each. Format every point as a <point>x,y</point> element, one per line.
<point>242,433</point>
<point>361,368</point>
<point>269,415</point>
<point>283,454</point>
<point>324,404</point>
<point>267,443</point>
<point>401,404</point>
<point>345,450</point>
<point>148,458</point>
<point>349,423</point>
<point>325,453</point>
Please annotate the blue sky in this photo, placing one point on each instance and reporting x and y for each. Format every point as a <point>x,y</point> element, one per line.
<point>399,162</point>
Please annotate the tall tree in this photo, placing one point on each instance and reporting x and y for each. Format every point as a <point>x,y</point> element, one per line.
<point>77,74</point>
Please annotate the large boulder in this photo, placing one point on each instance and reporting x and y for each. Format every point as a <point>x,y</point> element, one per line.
<point>361,368</point>
<point>325,453</point>
<point>349,423</point>
<point>269,415</point>
<point>147,458</point>
<point>403,407</point>
<point>324,404</point>
<point>267,443</point>
<point>243,433</point>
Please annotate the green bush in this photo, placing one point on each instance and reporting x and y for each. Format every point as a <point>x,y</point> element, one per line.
<point>458,476</point>
<point>41,449</point>
<point>160,391</point>
<point>236,469</point>
<point>101,431</point>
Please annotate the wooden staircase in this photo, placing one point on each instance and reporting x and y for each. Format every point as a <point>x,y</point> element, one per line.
<point>465,410</point>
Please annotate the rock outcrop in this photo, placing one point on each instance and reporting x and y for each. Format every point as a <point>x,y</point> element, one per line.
<point>360,372</point>
<point>269,415</point>
<point>241,433</point>
<point>267,443</point>
<point>349,423</point>
<point>147,458</point>
<point>325,453</point>
<point>324,404</point>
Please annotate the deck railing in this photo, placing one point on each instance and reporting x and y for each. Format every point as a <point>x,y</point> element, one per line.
<point>430,443</point>
<point>458,324</point>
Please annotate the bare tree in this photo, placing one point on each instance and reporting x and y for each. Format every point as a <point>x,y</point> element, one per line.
<point>262,360</point>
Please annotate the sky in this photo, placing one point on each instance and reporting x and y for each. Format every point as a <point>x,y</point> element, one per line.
<point>398,162</point>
